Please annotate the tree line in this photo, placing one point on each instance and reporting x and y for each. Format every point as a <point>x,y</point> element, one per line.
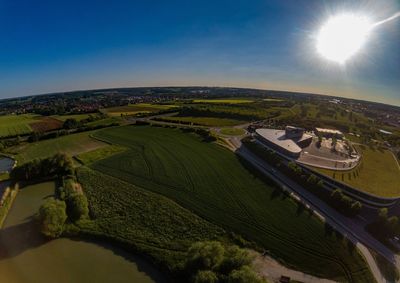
<point>212,262</point>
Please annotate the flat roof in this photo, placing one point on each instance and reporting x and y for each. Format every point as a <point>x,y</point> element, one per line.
<point>278,137</point>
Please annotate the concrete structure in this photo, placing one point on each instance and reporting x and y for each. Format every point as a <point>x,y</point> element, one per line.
<point>293,132</point>
<point>289,141</point>
<point>328,133</point>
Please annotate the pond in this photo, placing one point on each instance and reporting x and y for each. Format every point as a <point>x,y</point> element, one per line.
<point>6,164</point>
<point>26,257</point>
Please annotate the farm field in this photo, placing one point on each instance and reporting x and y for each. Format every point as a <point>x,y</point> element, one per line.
<point>14,125</point>
<point>204,121</point>
<point>71,144</point>
<point>147,222</point>
<point>223,101</point>
<point>134,109</point>
<point>378,173</point>
<point>212,182</point>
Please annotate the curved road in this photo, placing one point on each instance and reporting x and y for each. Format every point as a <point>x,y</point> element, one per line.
<point>348,227</point>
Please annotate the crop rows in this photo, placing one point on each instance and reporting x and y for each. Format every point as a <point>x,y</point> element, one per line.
<point>214,183</point>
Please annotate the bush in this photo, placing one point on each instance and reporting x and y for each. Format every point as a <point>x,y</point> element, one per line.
<point>52,216</point>
<point>244,275</point>
<point>77,207</point>
<point>212,262</point>
<point>205,255</point>
<point>205,277</point>
<point>59,164</point>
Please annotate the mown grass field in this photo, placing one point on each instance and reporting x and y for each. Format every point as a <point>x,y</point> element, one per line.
<point>212,182</point>
<point>134,109</point>
<point>106,121</point>
<point>77,117</point>
<point>378,173</point>
<point>100,153</point>
<point>72,144</point>
<point>13,125</point>
<point>144,221</point>
<point>223,101</point>
<point>232,131</point>
<point>205,121</point>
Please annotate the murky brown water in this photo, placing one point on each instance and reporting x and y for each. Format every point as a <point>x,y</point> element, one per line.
<point>25,257</point>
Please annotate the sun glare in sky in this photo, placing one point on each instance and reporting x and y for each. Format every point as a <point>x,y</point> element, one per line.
<point>342,36</point>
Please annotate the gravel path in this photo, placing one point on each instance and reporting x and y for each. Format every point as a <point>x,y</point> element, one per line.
<point>273,270</point>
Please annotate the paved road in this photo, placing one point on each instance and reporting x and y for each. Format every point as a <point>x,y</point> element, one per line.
<point>348,227</point>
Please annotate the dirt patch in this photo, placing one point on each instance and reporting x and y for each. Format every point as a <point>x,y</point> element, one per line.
<point>272,270</point>
<point>45,124</point>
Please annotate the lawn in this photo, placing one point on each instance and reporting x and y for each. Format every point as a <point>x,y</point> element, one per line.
<point>232,131</point>
<point>99,153</point>
<point>141,220</point>
<point>13,125</point>
<point>204,121</point>
<point>378,173</point>
<point>133,109</point>
<point>212,182</point>
<point>223,101</point>
<point>77,117</point>
<point>106,121</point>
<point>72,144</point>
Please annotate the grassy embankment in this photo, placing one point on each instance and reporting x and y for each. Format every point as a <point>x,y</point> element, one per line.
<point>214,184</point>
<point>232,131</point>
<point>378,173</point>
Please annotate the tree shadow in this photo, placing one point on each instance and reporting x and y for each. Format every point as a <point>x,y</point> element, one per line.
<point>328,229</point>
<point>19,238</point>
<point>300,209</point>
<point>130,254</point>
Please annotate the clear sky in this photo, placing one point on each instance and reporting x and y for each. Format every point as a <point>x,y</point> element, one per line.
<point>61,45</point>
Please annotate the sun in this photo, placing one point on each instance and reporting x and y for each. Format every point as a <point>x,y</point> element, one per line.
<point>342,36</point>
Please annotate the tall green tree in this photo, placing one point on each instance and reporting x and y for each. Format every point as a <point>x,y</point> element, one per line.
<point>52,216</point>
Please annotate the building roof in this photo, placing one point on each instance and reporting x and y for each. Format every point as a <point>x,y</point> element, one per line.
<point>330,131</point>
<point>278,138</point>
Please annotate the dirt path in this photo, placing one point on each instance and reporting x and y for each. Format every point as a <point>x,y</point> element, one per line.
<point>273,270</point>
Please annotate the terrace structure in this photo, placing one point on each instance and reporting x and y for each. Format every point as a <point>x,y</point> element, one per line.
<point>288,142</point>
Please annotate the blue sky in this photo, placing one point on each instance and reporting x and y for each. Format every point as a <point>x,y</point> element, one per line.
<point>51,46</point>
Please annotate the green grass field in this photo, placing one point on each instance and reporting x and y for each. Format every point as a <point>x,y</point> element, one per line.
<point>100,153</point>
<point>232,131</point>
<point>378,173</point>
<point>12,125</point>
<point>205,121</point>
<point>106,121</point>
<point>134,109</point>
<point>212,182</point>
<point>72,144</point>
<point>223,101</point>
<point>148,222</point>
<point>77,117</point>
